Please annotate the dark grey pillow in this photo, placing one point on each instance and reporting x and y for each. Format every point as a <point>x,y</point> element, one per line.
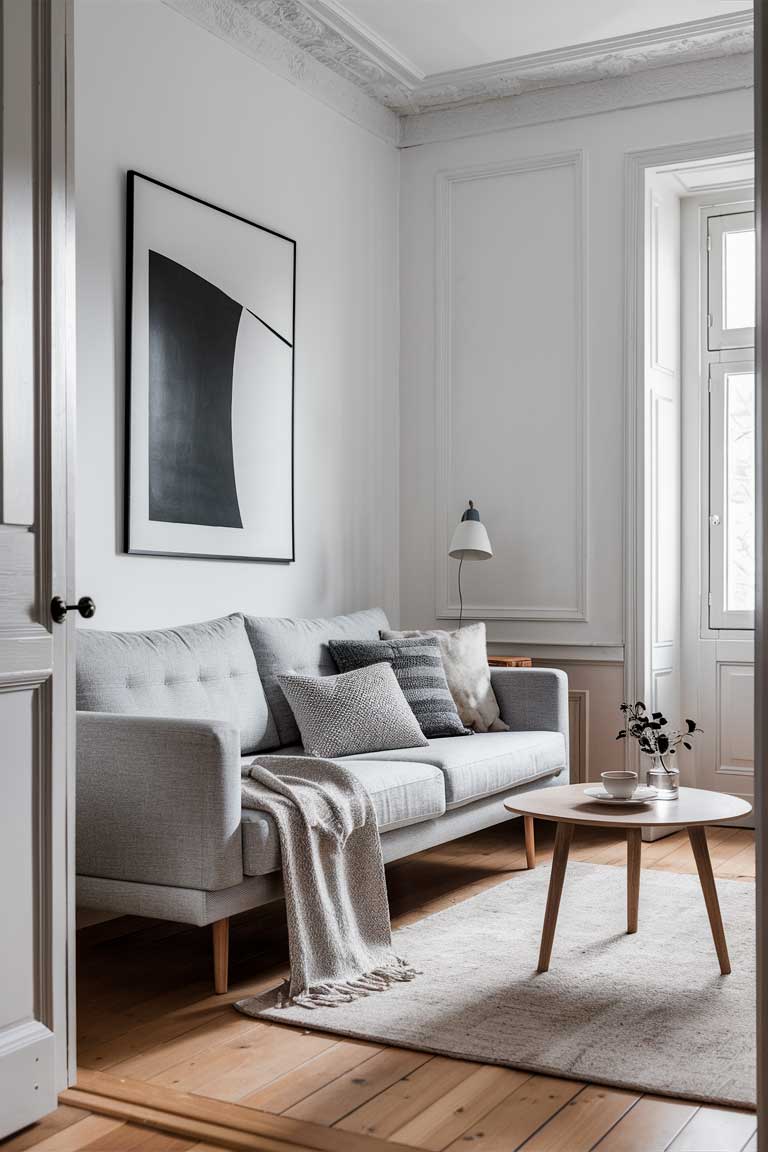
<point>418,666</point>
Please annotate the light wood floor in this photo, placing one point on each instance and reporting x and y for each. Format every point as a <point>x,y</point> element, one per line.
<point>146,1012</point>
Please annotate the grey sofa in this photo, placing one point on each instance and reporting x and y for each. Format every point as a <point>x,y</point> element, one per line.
<point>167,721</point>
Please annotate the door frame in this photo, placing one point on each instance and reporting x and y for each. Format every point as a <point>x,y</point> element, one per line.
<point>635,424</point>
<point>63,307</point>
<point>635,432</point>
<point>55,209</point>
<point>37,498</point>
<point>761,553</point>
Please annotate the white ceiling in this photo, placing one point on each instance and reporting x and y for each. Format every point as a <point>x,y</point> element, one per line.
<point>443,35</point>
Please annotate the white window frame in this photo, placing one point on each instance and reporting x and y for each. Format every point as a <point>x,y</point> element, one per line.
<point>718,226</point>
<point>723,351</point>
<point>719,615</point>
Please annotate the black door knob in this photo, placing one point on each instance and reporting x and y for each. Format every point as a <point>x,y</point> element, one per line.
<point>85,606</point>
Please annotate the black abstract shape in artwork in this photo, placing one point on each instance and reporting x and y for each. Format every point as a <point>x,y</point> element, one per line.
<point>192,335</point>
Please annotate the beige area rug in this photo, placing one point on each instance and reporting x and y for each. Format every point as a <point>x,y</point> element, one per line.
<point>649,1011</point>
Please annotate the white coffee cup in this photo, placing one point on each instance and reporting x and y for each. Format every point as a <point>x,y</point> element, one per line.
<point>620,785</point>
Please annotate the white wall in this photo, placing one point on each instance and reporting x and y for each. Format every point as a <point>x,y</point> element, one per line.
<point>513,368</point>
<point>156,93</point>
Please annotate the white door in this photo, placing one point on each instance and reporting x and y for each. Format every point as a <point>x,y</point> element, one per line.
<point>719,488</point>
<point>36,713</point>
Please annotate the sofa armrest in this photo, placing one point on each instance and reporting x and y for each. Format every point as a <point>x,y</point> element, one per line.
<point>533,699</point>
<point>158,800</point>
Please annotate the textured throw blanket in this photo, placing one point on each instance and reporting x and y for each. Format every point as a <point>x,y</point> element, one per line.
<point>333,874</point>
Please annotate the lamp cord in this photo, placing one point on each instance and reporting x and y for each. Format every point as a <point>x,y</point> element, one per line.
<point>461,600</point>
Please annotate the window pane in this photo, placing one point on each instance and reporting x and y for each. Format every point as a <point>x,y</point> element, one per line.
<point>739,279</point>
<point>740,491</point>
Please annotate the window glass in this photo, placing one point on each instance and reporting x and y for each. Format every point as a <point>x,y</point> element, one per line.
<point>740,491</point>
<point>739,279</point>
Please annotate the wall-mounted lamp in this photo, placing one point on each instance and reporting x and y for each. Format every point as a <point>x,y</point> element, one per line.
<point>469,542</point>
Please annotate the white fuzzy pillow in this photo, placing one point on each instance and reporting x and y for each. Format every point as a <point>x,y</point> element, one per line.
<point>465,660</point>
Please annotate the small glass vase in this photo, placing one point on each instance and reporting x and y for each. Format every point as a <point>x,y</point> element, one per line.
<point>665,780</point>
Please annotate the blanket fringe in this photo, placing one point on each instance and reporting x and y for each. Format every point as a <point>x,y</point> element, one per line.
<point>343,992</point>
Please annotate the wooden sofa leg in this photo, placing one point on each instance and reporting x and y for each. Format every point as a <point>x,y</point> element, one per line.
<point>530,842</point>
<point>220,929</point>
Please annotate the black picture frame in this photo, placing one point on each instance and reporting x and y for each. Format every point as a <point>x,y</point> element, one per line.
<point>137,363</point>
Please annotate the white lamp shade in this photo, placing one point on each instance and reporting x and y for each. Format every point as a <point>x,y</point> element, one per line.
<point>470,541</point>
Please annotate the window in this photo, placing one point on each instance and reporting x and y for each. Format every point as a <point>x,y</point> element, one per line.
<point>730,361</point>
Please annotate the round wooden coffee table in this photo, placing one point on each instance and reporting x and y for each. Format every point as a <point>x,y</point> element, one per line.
<point>567,806</point>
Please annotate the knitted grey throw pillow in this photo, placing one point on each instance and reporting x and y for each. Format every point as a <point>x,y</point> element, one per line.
<point>418,666</point>
<point>356,712</point>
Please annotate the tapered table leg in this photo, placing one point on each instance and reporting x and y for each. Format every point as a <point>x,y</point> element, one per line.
<point>563,838</point>
<point>698,838</point>
<point>530,842</point>
<point>634,842</point>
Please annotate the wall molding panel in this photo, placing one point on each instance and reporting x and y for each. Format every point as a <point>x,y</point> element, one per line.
<point>594,696</point>
<point>735,719</point>
<point>446,604</point>
<point>662,431</point>
<point>578,723</point>
<point>657,356</point>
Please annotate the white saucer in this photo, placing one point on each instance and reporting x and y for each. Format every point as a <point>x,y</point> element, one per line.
<point>641,795</point>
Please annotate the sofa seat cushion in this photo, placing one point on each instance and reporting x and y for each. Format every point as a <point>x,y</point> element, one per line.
<point>285,645</point>
<point>403,793</point>
<point>487,762</point>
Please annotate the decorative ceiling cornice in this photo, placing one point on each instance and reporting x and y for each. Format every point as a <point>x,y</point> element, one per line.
<point>327,32</point>
<point>599,60</point>
<point>317,45</point>
<point>680,81</point>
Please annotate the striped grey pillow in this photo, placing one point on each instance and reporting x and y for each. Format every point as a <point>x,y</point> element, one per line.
<point>418,666</point>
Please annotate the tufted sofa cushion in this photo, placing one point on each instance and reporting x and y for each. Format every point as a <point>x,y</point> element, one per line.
<point>285,645</point>
<point>196,672</point>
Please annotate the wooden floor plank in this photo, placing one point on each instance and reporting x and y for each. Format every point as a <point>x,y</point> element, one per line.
<point>651,1125</point>
<point>160,1054</point>
<point>725,844</point>
<point>739,867</point>
<point>63,1117</point>
<point>149,1141</point>
<point>215,1121</point>
<point>218,1135</point>
<point>511,1123</point>
<point>406,1099</point>
<point>260,1060</point>
<point>132,1138</point>
<point>292,1087</point>
<point>448,1118</point>
<point>330,1104</point>
<point>153,1021</point>
<point>583,1122</point>
<point>715,1130</point>
<point>80,1135</point>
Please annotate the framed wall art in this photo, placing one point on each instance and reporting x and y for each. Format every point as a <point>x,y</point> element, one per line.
<point>209,380</point>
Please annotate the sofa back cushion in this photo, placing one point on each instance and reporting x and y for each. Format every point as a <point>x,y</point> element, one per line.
<point>300,647</point>
<point>198,671</point>
<point>418,666</point>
